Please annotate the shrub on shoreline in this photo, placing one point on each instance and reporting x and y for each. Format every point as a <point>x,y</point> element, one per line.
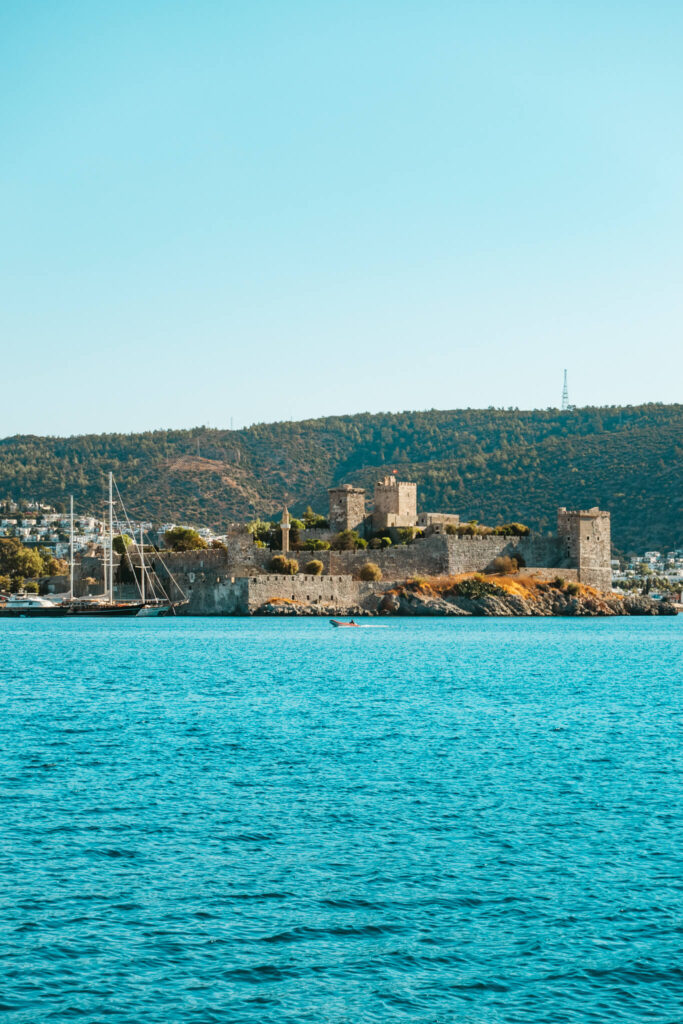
<point>474,588</point>
<point>502,564</point>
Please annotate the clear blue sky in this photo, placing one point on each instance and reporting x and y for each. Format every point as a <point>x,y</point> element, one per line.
<point>276,210</point>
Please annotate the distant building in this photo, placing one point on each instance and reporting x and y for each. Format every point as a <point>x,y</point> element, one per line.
<point>437,521</point>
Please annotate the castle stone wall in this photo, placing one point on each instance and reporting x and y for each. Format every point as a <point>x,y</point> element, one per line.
<point>473,554</point>
<point>213,595</point>
<point>210,594</point>
<point>189,561</point>
<point>435,555</point>
<point>426,557</point>
<point>445,555</point>
<point>334,590</point>
<point>242,558</point>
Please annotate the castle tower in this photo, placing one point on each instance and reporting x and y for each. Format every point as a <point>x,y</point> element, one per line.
<point>586,542</point>
<point>285,527</point>
<point>395,503</point>
<point>347,507</point>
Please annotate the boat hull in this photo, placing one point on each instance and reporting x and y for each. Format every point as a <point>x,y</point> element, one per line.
<point>105,610</point>
<point>32,613</point>
<point>153,611</point>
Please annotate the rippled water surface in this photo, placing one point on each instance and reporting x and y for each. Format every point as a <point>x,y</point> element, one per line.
<point>274,821</point>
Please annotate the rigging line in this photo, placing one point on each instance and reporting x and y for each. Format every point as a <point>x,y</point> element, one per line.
<point>170,574</point>
<point>155,583</point>
<point>117,524</point>
<point>143,569</point>
<point>158,554</point>
<point>132,534</point>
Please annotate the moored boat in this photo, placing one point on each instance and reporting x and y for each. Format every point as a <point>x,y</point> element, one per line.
<point>92,606</point>
<point>105,605</point>
<point>152,611</point>
<point>30,606</point>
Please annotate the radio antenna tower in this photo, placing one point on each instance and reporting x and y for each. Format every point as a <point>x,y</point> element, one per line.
<point>565,395</point>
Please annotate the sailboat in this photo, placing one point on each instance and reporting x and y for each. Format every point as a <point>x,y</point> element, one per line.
<point>105,604</point>
<point>150,608</point>
<point>147,606</point>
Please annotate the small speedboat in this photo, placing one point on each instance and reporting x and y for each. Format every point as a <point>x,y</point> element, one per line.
<point>352,624</point>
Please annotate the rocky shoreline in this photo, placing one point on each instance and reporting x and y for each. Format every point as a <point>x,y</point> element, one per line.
<point>477,597</point>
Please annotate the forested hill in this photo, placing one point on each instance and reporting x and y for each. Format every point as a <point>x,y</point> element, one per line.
<point>492,465</point>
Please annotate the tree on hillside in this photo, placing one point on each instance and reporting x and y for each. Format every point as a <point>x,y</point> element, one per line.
<point>313,520</point>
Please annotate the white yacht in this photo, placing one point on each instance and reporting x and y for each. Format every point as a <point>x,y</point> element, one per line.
<point>30,605</point>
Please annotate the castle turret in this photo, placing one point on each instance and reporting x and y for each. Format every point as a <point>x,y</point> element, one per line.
<point>395,503</point>
<point>347,507</point>
<point>586,542</point>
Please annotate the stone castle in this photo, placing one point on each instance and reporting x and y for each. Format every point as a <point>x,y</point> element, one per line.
<point>223,582</point>
<point>582,542</point>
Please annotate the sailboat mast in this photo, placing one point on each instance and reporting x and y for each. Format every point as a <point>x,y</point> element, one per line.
<point>142,566</point>
<point>111,536</point>
<point>71,546</point>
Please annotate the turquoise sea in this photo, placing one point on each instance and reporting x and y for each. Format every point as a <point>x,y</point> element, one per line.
<point>239,820</point>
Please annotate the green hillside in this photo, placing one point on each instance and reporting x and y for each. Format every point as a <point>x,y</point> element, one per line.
<point>492,465</point>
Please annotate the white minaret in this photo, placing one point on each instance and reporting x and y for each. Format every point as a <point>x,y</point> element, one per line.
<point>284,526</point>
